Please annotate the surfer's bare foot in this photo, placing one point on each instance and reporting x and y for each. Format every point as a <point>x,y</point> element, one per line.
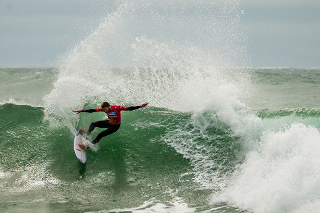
<point>83,147</point>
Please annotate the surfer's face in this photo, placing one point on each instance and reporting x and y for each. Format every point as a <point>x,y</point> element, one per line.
<point>106,109</point>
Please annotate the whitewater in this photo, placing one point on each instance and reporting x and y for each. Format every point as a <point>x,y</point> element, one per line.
<point>216,136</point>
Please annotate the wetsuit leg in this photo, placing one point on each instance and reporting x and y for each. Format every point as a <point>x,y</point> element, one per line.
<point>111,129</point>
<point>100,124</point>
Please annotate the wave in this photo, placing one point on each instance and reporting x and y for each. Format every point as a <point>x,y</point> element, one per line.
<point>17,102</point>
<point>282,175</point>
<point>301,112</point>
<point>136,160</point>
<point>170,156</point>
<point>26,86</point>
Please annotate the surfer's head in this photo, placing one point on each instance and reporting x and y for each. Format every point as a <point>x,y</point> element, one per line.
<point>106,106</point>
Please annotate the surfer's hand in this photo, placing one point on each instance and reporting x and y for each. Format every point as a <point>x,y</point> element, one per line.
<point>144,105</point>
<point>77,111</point>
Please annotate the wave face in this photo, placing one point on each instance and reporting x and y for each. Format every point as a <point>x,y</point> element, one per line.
<point>159,156</point>
<point>214,138</point>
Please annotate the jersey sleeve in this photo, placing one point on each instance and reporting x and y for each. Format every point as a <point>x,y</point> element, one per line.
<point>99,109</point>
<point>122,108</point>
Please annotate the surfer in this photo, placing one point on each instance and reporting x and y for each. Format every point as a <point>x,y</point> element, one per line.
<point>112,123</point>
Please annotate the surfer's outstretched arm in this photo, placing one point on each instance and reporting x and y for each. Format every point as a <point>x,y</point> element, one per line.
<point>137,107</point>
<point>84,110</point>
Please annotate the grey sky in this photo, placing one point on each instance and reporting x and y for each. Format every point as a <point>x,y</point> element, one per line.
<point>282,33</point>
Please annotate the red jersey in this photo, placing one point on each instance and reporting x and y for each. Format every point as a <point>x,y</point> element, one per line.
<point>114,115</point>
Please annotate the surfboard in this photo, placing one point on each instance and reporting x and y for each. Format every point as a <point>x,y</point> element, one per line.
<point>80,153</point>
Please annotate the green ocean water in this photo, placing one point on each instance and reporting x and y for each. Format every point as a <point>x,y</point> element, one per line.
<point>204,160</point>
<point>38,164</point>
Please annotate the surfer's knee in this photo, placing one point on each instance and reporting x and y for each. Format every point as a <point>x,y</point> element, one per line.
<point>91,128</point>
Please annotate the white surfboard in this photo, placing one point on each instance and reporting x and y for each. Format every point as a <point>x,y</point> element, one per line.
<point>80,153</point>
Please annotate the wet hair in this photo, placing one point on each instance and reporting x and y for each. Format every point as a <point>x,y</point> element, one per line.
<point>105,104</point>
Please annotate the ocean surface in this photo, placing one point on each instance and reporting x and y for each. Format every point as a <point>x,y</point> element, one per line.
<point>261,154</point>
<point>216,136</point>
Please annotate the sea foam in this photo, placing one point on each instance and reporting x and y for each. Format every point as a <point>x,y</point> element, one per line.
<point>283,175</point>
